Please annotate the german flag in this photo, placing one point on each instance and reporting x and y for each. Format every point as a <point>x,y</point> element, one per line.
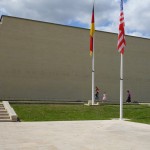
<point>92,30</point>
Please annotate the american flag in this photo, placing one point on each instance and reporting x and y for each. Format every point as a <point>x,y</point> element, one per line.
<point>121,35</point>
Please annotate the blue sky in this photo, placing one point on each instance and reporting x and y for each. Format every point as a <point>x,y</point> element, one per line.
<point>78,13</point>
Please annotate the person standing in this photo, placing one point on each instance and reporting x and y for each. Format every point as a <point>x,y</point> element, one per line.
<point>97,92</point>
<point>104,97</point>
<point>128,96</point>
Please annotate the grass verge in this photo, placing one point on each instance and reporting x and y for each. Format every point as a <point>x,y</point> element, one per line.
<point>51,112</point>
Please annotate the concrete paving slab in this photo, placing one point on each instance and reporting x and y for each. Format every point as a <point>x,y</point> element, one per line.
<point>74,135</point>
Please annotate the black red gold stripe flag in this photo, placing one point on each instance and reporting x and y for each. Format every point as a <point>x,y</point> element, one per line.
<point>92,30</point>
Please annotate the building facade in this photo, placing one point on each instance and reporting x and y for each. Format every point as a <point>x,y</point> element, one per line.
<point>40,60</point>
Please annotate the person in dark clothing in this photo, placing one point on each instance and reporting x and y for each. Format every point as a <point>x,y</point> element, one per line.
<point>128,97</point>
<point>97,93</point>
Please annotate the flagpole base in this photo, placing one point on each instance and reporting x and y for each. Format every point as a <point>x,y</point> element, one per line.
<point>90,103</point>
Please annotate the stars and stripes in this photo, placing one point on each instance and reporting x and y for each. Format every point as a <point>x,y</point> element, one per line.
<point>121,35</point>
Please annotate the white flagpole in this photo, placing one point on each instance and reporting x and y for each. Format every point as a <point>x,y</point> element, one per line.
<point>121,88</point>
<point>93,69</point>
<point>93,74</point>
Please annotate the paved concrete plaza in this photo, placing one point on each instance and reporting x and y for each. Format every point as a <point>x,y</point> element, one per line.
<point>74,135</point>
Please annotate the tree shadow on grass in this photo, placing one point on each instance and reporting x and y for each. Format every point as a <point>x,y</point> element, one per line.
<point>145,117</point>
<point>138,108</point>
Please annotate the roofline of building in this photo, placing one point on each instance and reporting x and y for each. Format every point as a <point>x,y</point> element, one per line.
<point>2,16</point>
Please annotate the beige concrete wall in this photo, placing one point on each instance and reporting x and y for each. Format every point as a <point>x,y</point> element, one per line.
<point>48,61</point>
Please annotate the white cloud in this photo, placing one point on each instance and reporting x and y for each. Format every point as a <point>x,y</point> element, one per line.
<point>3,11</point>
<point>138,16</point>
<point>78,13</point>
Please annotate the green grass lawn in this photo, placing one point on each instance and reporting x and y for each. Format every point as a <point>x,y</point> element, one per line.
<point>51,112</point>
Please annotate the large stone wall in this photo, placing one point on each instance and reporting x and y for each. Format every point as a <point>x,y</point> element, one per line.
<point>47,61</point>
